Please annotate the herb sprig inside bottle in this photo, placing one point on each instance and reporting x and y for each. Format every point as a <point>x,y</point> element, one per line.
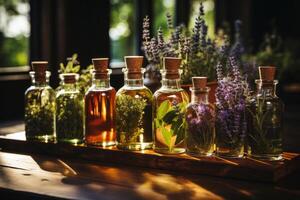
<point>170,103</point>
<point>134,108</point>
<point>40,105</point>
<point>200,118</point>
<point>70,111</point>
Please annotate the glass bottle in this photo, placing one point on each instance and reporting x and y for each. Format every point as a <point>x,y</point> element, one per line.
<point>70,111</point>
<point>200,120</point>
<point>265,116</point>
<point>134,108</point>
<point>170,103</point>
<point>40,105</point>
<point>100,107</point>
<point>230,132</point>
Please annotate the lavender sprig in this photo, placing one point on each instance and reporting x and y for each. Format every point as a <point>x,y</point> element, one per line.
<point>231,101</point>
<point>146,38</point>
<point>196,35</point>
<point>169,21</point>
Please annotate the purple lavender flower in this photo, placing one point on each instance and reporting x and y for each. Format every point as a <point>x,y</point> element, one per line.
<point>238,48</point>
<point>196,35</point>
<point>169,21</point>
<point>203,32</point>
<point>230,101</point>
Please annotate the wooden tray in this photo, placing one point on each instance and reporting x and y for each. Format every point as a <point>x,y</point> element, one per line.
<point>245,168</point>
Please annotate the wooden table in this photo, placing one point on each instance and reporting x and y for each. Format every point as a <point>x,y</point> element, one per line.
<point>35,176</point>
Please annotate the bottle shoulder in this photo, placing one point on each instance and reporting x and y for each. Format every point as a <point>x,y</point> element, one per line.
<point>143,92</point>
<point>43,90</point>
<point>94,88</point>
<point>171,94</point>
<point>69,93</point>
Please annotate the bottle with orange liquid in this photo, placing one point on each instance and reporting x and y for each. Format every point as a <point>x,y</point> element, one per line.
<point>100,107</point>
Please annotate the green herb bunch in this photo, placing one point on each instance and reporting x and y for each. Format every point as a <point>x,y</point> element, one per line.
<point>129,117</point>
<point>264,128</point>
<point>39,112</point>
<point>171,122</point>
<point>73,66</point>
<point>69,118</point>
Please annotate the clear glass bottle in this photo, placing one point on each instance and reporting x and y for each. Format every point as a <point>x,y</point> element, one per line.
<point>134,108</point>
<point>100,107</point>
<point>70,111</point>
<point>265,116</point>
<point>200,120</point>
<point>170,103</point>
<point>40,105</point>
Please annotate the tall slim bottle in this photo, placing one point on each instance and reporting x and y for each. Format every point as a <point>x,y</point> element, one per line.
<point>40,105</point>
<point>265,117</point>
<point>170,103</point>
<point>134,108</point>
<point>100,107</point>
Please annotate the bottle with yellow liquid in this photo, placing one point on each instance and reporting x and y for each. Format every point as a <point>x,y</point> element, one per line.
<point>170,103</point>
<point>134,108</point>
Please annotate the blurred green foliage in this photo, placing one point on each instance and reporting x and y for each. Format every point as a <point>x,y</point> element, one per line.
<point>13,50</point>
<point>122,28</point>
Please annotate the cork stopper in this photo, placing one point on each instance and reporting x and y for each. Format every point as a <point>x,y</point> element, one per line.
<point>69,77</point>
<point>267,73</point>
<point>39,68</point>
<point>101,67</point>
<point>199,82</point>
<point>134,65</point>
<point>172,65</point>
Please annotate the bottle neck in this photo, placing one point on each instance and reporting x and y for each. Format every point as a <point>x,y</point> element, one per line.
<point>101,83</point>
<point>266,88</point>
<point>134,82</point>
<point>138,81</point>
<point>199,95</point>
<point>39,81</point>
<point>68,81</point>
<point>171,83</point>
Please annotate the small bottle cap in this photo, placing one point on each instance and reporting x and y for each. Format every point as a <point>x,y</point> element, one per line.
<point>199,82</point>
<point>39,67</point>
<point>134,65</point>
<point>69,77</point>
<point>172,65</point>
<point>101,67</point>
<point>267,73</point>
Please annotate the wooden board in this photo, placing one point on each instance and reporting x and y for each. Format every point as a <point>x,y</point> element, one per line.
<point>246,168</point>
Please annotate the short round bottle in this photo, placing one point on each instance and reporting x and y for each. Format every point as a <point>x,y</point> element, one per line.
<point>200,120</point>
<point>100,110</point>
<point>134,108</point>
<point>170,103</point>
<point>265,116</point>
<point>40,105</point>
<point>70,111</point>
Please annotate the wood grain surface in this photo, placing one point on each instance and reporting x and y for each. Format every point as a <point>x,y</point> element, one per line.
<point>246,168</point>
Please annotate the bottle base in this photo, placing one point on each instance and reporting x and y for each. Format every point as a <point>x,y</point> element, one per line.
<point>199,154</point>
<point>229,155</point>
<point>101,144</point>
<point>71,141</point>
<point>267,157</point>
<point>134,146</point>
<point>42,138</point>
<point>168,151</point>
